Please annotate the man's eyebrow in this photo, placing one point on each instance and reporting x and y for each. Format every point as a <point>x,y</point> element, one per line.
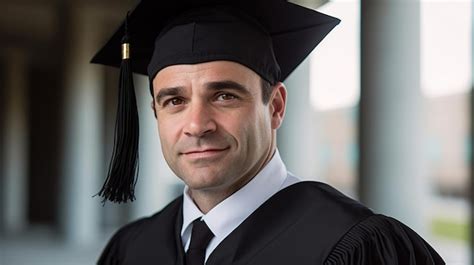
<point>227,84</point>
<point>215,85</point>
<point>168,91</point>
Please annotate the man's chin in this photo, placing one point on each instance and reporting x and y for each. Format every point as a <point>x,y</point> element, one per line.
<point>203,185</point>
<point>202,179</point>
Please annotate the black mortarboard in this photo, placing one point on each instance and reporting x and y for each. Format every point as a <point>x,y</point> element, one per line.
<point>271,37</point>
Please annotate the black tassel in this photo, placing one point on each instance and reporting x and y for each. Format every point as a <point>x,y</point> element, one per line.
<point>123,168</point>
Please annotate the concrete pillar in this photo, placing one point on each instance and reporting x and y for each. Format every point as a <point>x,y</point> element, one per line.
<point>297,135</point>
<point>14,189</point>
<point>156,182</point>
<point>84,165</point>
<point>393,164</point>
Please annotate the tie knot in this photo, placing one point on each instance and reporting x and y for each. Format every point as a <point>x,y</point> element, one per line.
<point>200,235</point>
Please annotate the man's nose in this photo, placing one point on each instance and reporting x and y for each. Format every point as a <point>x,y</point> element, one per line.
<point>199,120</point>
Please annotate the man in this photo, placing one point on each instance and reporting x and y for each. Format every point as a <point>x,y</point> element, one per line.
<point>216,70</point>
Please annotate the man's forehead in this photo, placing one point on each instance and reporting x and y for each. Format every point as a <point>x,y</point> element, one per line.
<point>204,73</point>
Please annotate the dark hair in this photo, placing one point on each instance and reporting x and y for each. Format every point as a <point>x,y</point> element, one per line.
<point>267,90</point>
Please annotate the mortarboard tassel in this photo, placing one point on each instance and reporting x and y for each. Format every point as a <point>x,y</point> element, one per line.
<point>123,168</point>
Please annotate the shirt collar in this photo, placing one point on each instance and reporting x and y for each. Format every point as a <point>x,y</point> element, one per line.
<point>231,212</point>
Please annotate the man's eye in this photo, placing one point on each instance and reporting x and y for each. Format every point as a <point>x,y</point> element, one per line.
<point>173,102</point>
<point>226,97</point>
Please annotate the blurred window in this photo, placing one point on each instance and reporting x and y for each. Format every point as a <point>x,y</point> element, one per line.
<point>446,29</point>
<point>335,91</point>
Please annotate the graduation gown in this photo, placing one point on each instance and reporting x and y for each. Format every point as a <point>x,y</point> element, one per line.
<point>305,223</point>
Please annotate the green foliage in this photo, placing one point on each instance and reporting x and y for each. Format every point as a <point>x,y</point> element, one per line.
<point>451,229</point>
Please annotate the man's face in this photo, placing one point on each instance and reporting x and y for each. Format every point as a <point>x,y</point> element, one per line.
<point>215,131</point>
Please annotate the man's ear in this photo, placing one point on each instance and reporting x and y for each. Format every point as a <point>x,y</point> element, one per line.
<point>153,107</point>
<point>277,105</point>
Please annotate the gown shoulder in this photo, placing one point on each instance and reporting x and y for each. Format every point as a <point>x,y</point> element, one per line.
<point>382,240</point>
<point>134,235</point>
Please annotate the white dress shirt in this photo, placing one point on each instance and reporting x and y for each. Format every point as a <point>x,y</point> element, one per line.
<point>231,212</point>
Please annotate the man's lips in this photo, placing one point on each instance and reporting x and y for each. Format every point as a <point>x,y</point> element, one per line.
<point>204,152</point>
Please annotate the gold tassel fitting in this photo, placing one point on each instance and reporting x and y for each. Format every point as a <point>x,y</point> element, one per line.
<point>125,51</point>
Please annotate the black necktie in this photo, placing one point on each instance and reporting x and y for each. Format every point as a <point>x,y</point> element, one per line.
<point>200,237</point>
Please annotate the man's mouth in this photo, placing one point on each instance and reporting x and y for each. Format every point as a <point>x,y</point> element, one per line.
<point>204,153</point>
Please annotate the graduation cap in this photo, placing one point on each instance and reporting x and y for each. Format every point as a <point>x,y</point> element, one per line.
<point>271,37</point>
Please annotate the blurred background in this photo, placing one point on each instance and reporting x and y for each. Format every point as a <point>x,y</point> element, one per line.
<point>382,110</point>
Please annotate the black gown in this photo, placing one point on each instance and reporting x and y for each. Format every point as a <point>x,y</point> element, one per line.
<point>305,223</point>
